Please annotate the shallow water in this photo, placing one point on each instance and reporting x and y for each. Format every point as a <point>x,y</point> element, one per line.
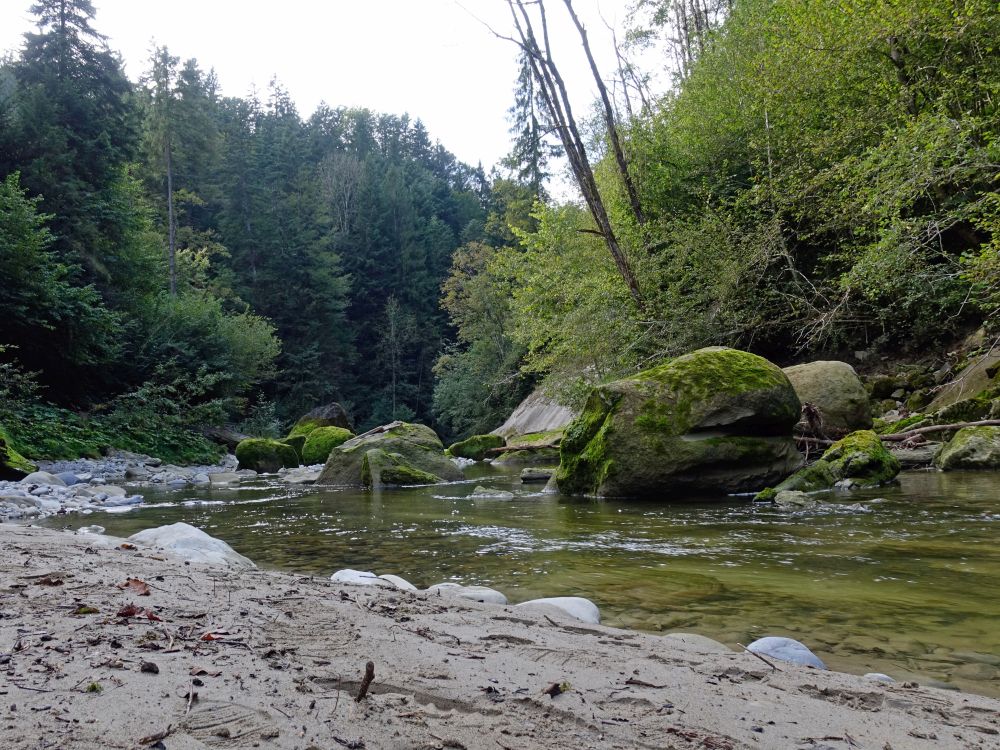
<point>903,580</point>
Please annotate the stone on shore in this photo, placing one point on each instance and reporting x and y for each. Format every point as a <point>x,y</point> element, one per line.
<point>714,420</point>
<point>190,543</point>
<point>786,649</point>
<point>398,453</point>
<point>836,390</point>
<point>971,448</point>
<point>575,606</point>
<point>266,456</point>
<point>43,477</point>
<point>482,594</point>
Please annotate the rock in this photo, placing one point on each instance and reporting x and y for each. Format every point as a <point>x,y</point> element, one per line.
<point>574,606</point>
<point>301,475</point>
<point>190,543</point>
<point>714,420</point>
<point>476,446</point>
<point>915,458</point>
<point>298,442</point>
<point>399,583</point>
<point>536,474</point>
<point>528,455</point>
<point>489,492</point>
<point>136,472</point>
<point>318,443</point>
<point>200,478</point>
<point>331,415</point>
<point>977,376</point>
<point>786,649</point>
<point>107,489</point>
<point>794,499</point>
<point>265,456</point>
<point>13,465</point>
<point>860,458</point>
<point>878,677</point>
<point>69,478</point>
<point>353,577</point>
<point>223,477</point>
<point>971,448</point>
<point>835,388</point>
<point>482,594</point>
<point>398,453</point>
<point>43,478</point>
<point>537,413</point>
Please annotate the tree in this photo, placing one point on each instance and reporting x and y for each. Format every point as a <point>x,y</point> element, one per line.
<point>530,154</point>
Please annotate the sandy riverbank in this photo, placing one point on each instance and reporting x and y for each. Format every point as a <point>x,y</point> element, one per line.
<point>288,652</point>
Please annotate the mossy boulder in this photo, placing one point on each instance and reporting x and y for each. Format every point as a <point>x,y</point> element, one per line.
<point>297,442</point>
<point>266,456</point>
<point>12,464</point>
<point>971,448</point>
<point>714,420</point>
<point>859,457</point>
<point>321,441</point>
<point>416,453</point>
<point>836,390</point>
<point>330,415</point>
<point>528,455</point>
<point>476,446</point>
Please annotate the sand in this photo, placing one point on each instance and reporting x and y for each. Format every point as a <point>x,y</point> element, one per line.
<point>273,660</point>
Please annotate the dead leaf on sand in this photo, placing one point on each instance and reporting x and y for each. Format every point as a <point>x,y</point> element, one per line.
<point>135,586</point>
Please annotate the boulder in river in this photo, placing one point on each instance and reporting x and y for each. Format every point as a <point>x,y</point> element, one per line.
<point>860,458</point>
<point>321,441</point>
<point>12,464</point>
<point>190,543</point>
<point>836,390</point>
<point>399,453</point>
<point>476,446</point>
<point>330,415</point>
<point>971,448</point>
<point>266,456</point>
<point>714,420</point>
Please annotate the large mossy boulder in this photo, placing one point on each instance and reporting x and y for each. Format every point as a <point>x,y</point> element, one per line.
<point>330,415</point>
<point>714,420</point>
<point>266,456</point>
<point>836,390</point>
<point>13,465</point>
<point>971,448</point>
<point>398,453</point>
<point>476,446</point>
<point>860,457</point>
<point>321,441</point>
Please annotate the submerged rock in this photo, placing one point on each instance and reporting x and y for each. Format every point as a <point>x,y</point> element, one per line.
<point>794,499</point>
<point>574,606</point>
<point>858,460</point>
<point>536,474</point>
<point>836,390</point>
<point>266,456</point>
<point>398,453</point>
<point>476,446</point>
<point>786,649</point>
<point>489,492</point>
<point>190,543</point>
<point>714,420</point>
<point>971,448</point>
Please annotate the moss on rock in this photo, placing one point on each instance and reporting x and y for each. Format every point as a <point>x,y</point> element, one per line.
<point>297,442</point>
<point>716,419</point>
<point>12,464</point>
<point>971,448</point>
<point>383,469</point>
<point>266,456</point>
<point>329,415</point>
<point>526,457</point>
<point>321,441</point>
<point>476,446</point>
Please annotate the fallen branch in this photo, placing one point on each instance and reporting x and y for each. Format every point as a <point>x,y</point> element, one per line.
<point>766,661</point>
<point>899,437</point>
<point>366,682</point>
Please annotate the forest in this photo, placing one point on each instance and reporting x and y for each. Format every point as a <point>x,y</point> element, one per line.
<point>817,178</point>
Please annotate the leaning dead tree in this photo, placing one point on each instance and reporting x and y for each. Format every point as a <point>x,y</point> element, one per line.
<point>552,90</point>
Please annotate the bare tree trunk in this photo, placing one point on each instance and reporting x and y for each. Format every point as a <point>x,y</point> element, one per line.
<point>171,223</point>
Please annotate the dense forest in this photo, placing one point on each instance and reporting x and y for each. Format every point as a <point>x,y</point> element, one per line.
<point>818,178</point>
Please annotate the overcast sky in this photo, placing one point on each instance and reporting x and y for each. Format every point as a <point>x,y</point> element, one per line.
<point>429,58</point>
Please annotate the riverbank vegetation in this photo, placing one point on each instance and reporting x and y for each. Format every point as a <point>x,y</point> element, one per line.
<point>817,179</point>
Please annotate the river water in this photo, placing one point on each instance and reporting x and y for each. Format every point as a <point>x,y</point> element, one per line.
<point>903,579</point>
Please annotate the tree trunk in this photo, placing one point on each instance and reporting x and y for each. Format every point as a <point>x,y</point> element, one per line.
<point>171,224</point>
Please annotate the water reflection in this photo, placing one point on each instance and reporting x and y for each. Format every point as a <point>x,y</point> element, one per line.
<point>903,580</point>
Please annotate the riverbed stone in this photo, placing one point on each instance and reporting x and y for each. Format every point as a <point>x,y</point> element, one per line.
<point>265,456</point>
<point>714,420</point>
<point>836,390</point>
<point>399,453</point>
<point>482,594</point>
<point>786,649</point>
<point>795,499</point>
<point>44,478</point>
<point>191,543</point>
<point>971,448</point>
<point>536,474</point>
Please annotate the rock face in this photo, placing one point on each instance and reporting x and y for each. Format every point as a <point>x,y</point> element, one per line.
<point>476,446</point>
<point>537,413</point>
<point>321,441</point>
<point>714,420</point>
<point>266,456</point>
<point>837,390</point>
<point>979,375</point>
<point>398,453</point>
<point>971,448</point>
<point>12,464</point>
<point>331,415</point>
<point>190,543</point>
<point>860,458</point>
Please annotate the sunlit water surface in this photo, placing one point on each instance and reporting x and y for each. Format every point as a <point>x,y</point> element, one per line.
<point>903,580</point>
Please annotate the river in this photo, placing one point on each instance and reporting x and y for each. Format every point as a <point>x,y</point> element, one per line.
<point>903,579</point>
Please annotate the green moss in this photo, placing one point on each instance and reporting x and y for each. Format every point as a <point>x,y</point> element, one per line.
<point>889,428</point>
<point>321,441</point>
<point>551,437</point>
<point>266,456</point>
<point>971,448</point>
<point>304,426</point>
<point>12,464</point>
<point>297,442</point>
<point>381,468</point>
<point>476,446</point>
<point>966,410</point>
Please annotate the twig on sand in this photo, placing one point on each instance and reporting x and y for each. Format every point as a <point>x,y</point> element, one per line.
<point>190,697</point>
<point>150,739</point>
<point>766,661</point>
<point>366,682</point>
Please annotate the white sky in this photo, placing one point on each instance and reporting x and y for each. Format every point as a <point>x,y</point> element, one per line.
<point>429,58</point>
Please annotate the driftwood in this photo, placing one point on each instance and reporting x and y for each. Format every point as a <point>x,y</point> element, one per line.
<point>512,448</point>
<point>899,437</point>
